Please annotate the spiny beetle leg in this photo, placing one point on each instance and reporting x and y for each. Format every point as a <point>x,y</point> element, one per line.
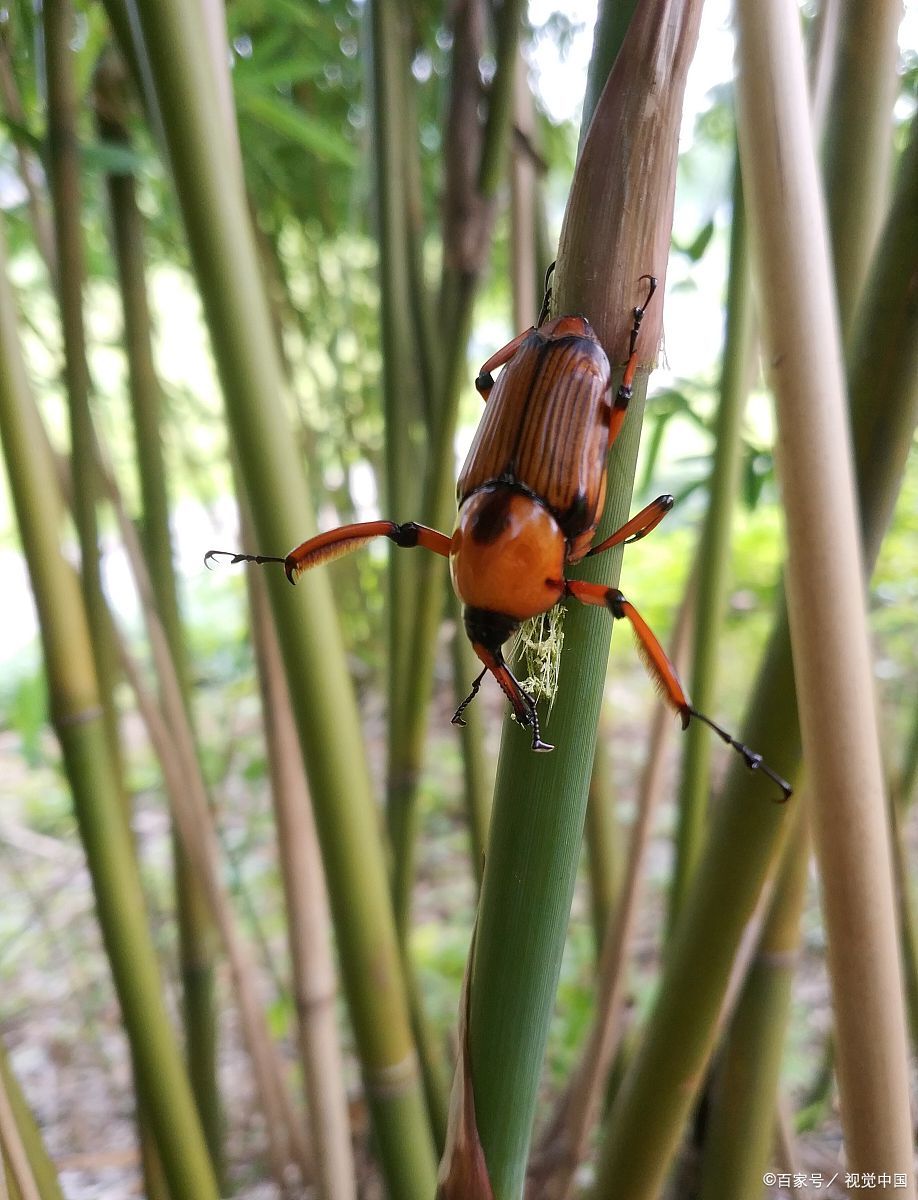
<point>639,526</point>
<point>626,388</point>
<point>546,297</point>
<point>662,670</point>
<point>336,542</point>
<point>753,761</point>
<point>457,718</point>
<point>211,557</point>
<point>524,707</point>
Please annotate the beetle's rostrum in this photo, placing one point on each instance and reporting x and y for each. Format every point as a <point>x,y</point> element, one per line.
<point>530,496</point>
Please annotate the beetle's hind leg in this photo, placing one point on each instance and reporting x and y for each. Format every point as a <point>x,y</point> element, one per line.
<point>663,672</point>
<point>524,707</point>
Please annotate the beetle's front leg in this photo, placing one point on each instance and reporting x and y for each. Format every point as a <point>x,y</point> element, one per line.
<point>485,380</point>
<point>626,387</point>
<point>638,527</point>
<point>336,542</point>
<point>524,707</point>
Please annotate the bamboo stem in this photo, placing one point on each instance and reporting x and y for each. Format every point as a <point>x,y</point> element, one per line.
<point>714,555</point>
<point>63,151</point>
<point>466,237</point>
<point>219,236</point>
<point>195,928</point>
<point>22,1150</point>
<point>170,733</point>
<point>561,1149</point>
<point>539,804</point>
<point>825,582</point>
<point>859,130</point>
<point>740,1127</point>
<point>77,717</point>
<point>314,980</point>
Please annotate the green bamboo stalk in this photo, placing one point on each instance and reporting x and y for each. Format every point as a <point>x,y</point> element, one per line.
<point>465,250</point>
<point>828,620</point>
<point>196,933</point>
<point>612,21</point>
<point>736,1154</point>
<point>63,154</point>
<point>714,555</point>
<point>540,800</point>
<point>744,838</point>
<point>315,983</point>
<point>40,1165</point>
<point>552,1167</point>
<point>859,130</point>
<point>740,1127</point>
<point>477,774</point>
<point>78,720</point>
<point>603,832</point>
<point>389,31</point>
<point>220,239</point>
<point>29,171</point>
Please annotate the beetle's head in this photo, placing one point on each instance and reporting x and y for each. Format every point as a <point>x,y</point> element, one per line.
<point>570,326</point>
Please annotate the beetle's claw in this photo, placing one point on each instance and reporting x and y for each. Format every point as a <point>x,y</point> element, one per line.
<point>541,747</point>
<point>458,720</point>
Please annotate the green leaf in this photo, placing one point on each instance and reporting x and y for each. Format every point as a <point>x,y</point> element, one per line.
<point>696,248</point>
<point>292,123</point>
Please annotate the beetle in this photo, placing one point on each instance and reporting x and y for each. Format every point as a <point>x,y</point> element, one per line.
<point>530,496</point>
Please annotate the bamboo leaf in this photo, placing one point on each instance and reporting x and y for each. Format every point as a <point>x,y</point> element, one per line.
<point>286,119</point>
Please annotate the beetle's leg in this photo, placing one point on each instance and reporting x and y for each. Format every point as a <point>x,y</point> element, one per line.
<point>524,707</point>
<point>337,542</point>
<point>638,527</point>
<point>485,380</point>
<point>626,387</point>
<point>546,296</point>
<point>662,670</point>
<point>476,684</point>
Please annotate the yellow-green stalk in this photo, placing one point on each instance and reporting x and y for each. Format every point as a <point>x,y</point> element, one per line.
<point>203,161</point>
<point>77,716</point>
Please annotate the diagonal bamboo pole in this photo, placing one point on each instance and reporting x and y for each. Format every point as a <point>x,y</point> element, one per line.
<point>825,586</point>
<point>219,235</point>
<point>865,83</point>
<point>196,936</point>
<point>77,717</point>
<point>315,984</point>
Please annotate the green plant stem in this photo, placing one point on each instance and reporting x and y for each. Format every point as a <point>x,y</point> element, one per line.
<point>740,1127</point>
<point>605,851</point>
<point>714,557</point>
<point>196,932</point>
<point>476,771</point>
<point>29,1135</point>
<point>612,20</point>
<point>540,801</point>
<point>63,153</point>
<point>401,381</point>
<point>859,131</point>
<point>77,716</point>
<point>438,501</point>
<point>219,235</point>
